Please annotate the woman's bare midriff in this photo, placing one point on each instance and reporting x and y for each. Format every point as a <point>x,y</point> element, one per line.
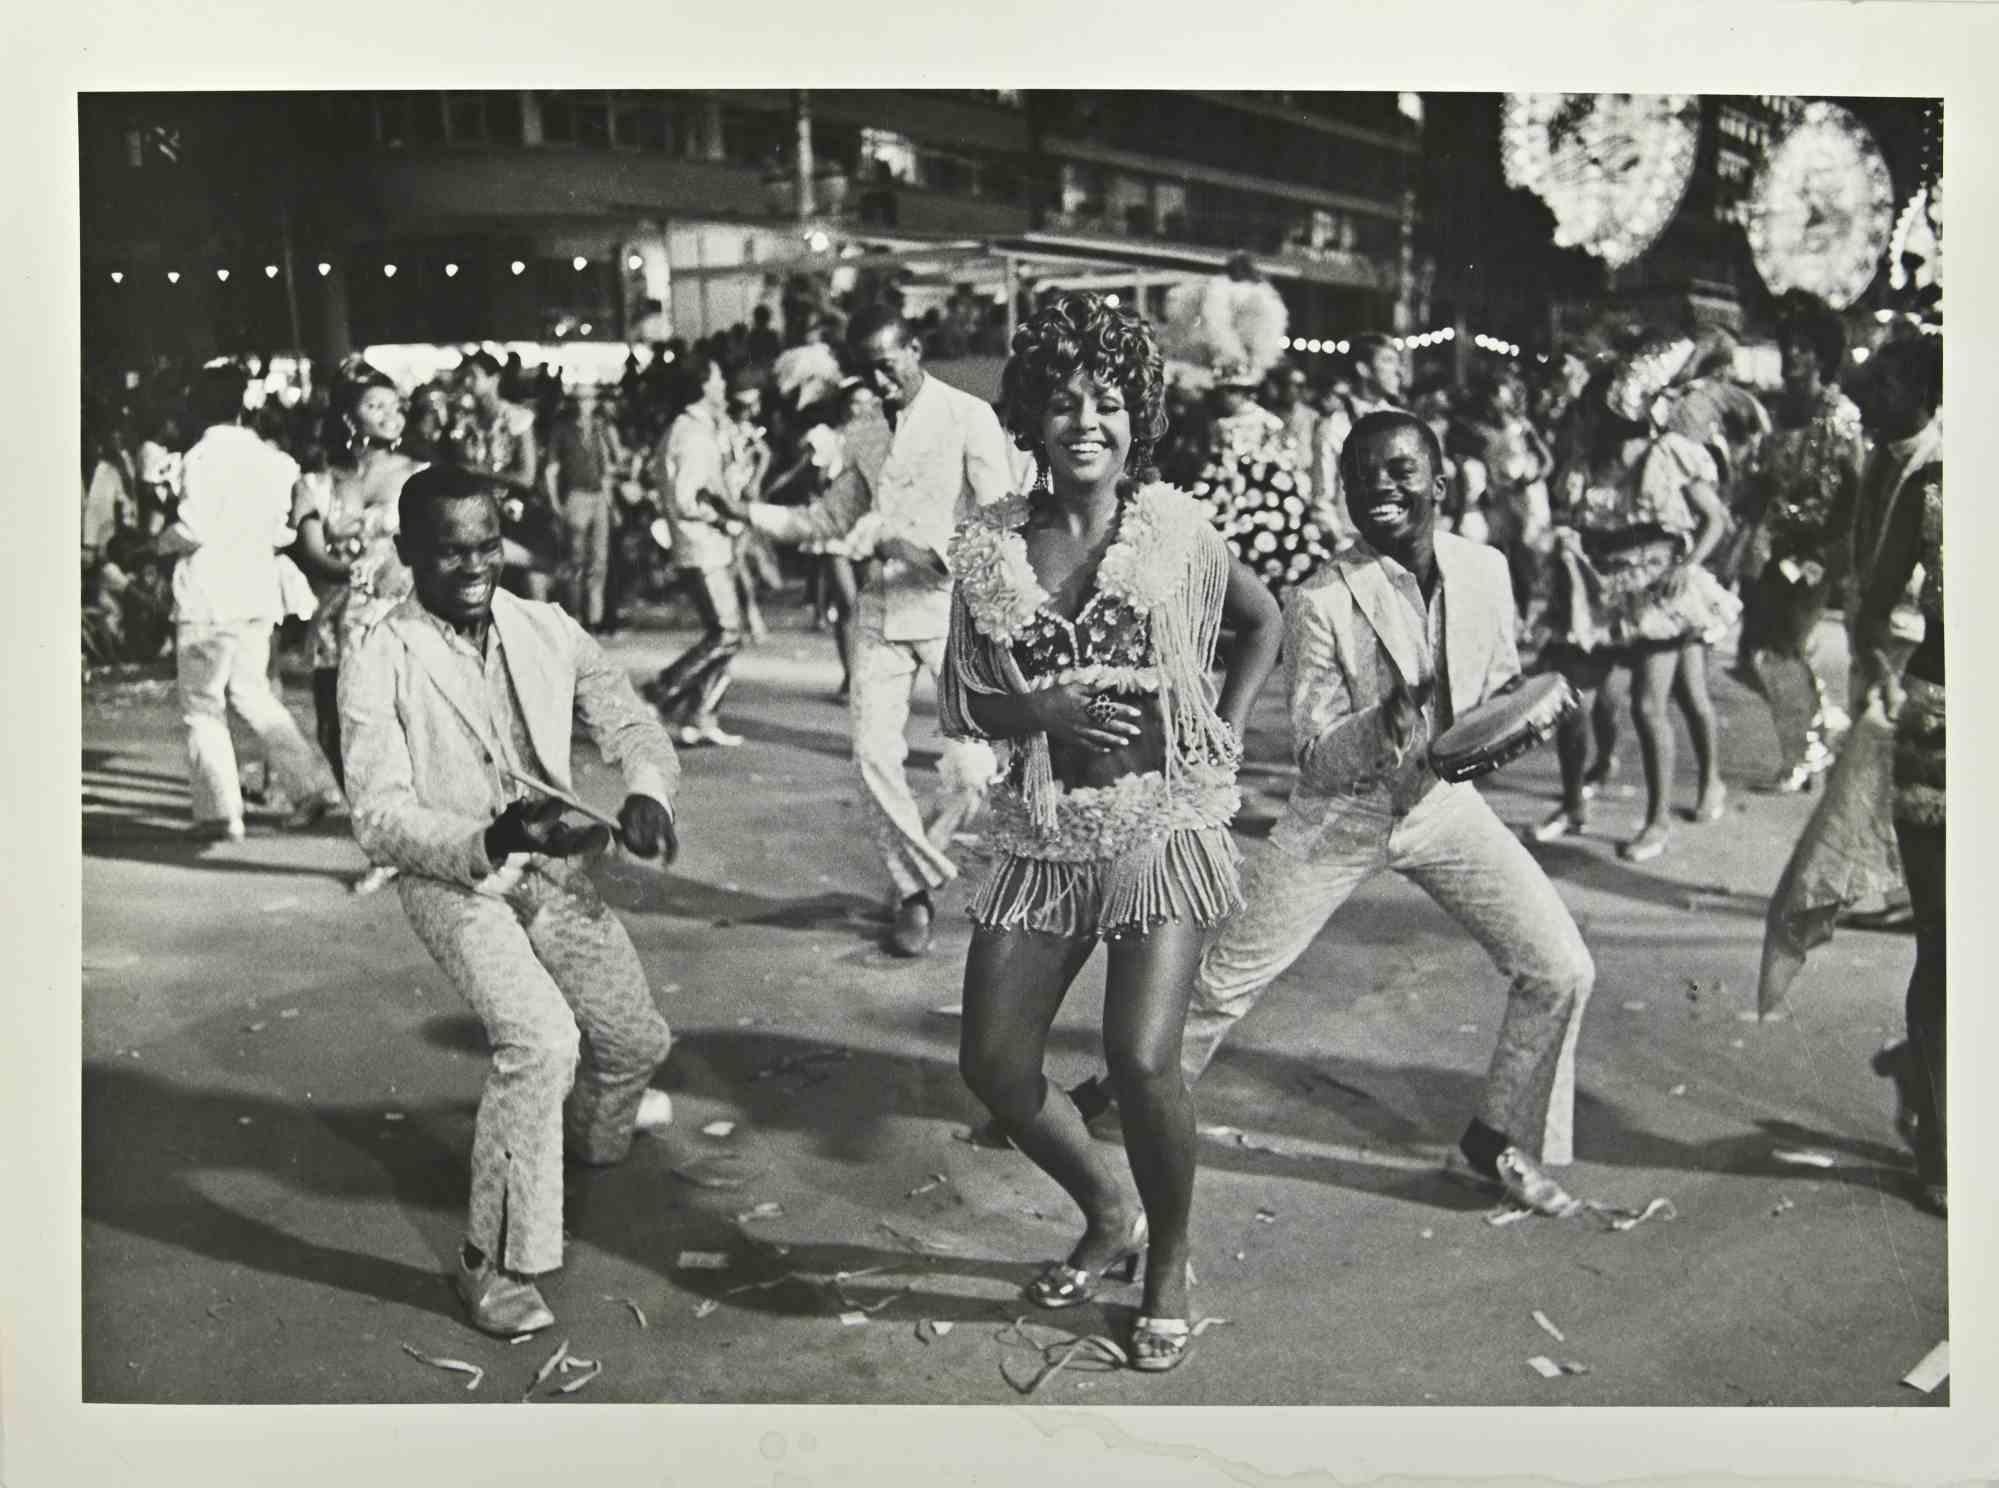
<point>1077,766</point>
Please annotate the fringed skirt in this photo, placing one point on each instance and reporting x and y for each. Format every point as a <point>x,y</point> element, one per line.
<point>1628,590</point>
<point>1919,744</point>
<point>1122,860</point>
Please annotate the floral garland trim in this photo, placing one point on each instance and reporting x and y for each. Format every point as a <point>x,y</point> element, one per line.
<point>1142,567</point>
<point>1101,678</point>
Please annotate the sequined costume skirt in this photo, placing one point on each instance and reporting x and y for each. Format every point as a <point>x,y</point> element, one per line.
<point>1919,743</point>
<point>1122,860</point>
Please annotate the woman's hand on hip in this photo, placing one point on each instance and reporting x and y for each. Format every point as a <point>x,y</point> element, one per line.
<point>1097,721</point>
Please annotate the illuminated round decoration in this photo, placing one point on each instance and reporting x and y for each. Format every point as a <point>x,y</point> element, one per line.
<point>1613,167</point>
<point>1822,208</point>
<point>1918,236</point>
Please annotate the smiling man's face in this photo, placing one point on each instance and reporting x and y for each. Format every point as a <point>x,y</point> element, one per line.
<point>1394,494</point>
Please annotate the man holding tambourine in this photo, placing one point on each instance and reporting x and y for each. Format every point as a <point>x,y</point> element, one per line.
<point>1405,684</point>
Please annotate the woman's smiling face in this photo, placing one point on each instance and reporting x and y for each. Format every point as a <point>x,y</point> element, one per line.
<point>1086,430</point>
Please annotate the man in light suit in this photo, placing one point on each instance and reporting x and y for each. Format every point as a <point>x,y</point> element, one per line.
<point>452,694</point>
<point>946,455</point>
<point>1400,634</point>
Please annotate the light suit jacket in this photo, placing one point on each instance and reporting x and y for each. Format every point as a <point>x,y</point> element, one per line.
<point>422,775</point>
<point>1352,631</point>
<point>948,455</point>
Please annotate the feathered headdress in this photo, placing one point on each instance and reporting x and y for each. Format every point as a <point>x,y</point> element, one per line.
<point>1646,374</point>
<point>1230,327</point>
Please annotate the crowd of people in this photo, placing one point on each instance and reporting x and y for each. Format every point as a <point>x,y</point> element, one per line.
<point>1101,571</point>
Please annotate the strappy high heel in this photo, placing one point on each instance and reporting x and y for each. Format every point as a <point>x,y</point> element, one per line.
<point>1063,1285</point>
<point>1160,1344</point>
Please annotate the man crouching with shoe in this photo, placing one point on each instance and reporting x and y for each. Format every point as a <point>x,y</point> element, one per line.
<point>1400,633</point>
<point>451,697</point>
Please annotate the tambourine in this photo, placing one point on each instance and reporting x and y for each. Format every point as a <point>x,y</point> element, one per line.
<point>1502,728</point>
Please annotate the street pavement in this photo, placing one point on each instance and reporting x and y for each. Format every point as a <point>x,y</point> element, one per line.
<point>278,1092</point>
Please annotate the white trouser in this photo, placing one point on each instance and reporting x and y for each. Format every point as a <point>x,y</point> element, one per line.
<point>220,667</point>
<point>1457,851</point>
<point>916,854</point>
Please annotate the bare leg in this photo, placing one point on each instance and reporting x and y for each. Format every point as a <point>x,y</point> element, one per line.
<point>1651,684</point>
<point>1690,692</point>
<point>1150,980</point>
<point>1015,981</point>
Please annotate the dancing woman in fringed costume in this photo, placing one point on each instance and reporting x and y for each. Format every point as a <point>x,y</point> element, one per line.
<point>1083,629</point>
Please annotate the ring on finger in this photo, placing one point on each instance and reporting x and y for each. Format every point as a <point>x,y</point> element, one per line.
<point>1103,712</point>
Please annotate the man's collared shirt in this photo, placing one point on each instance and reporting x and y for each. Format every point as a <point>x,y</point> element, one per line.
<point>695,459</point>
<point>947,454</point>
<point>503,728</point>
<point>237,506</point>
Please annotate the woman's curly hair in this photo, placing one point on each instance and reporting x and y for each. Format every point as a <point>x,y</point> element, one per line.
<point>1112,346</point>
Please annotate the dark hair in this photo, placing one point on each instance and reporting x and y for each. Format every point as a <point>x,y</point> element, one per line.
<point>1919,361</point>
<point>1112,346</point>
<point>485,361</point>
<point>1804,317</point>
<point>686,381</point>
<point>435,486</point>
<point>870,320</point>
<point>1366,347</point>
<point>336,435</point>
<point>217,394</point>
<point>1386,421</point>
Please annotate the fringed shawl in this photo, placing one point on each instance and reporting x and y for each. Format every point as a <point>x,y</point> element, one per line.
<point>1168,563</point>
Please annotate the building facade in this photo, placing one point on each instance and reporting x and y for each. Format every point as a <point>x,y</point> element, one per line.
<point>334,220</point>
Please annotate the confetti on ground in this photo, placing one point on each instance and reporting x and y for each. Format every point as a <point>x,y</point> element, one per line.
<point>1634,1007</point>
<point>638,1312</point>
<point>718,1128</point>
<point>1547,1368</point>
<point>548,1367</point>
<point>1098,1351</point>
<point>1468,1028</point>
<point>1428,1234</point>
<point>1250,1144</point>
<point>1736,1044</point>
<point>935,1180</point>
<point>1932,1371</point>
<point>1626,1219</point>
<point>768,1209</point>
<point>288,1013</point>
<point>720,1173</point>
<point>1677,1090</point>
<point>456,1366</point>
<point>940,1244</point>
<point>703,1309</point>
<point>1548,1327</point>
<point>392,1116</point>
<point>594,1369</point>
<point>1747,1015</point>
<point>703,1260</point>
<point>255,1027</point>
<point>243,1120</point>
<point>854,1319</point>
<point>279,906</point>
<point>1783,1206</point>
<point>947,1010</point>
<point>1507,1214</point>
<point>1266,1216</point>
<point>932,1329</point>
<point>1803,1158</point>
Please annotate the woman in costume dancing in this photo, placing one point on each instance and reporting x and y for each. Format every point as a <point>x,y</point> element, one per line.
<point>1083,629</point>
<point>345,516</point>
<point>1640,513</point>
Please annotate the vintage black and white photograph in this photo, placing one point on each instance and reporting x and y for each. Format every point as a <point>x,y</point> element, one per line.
<point>1090,747</point>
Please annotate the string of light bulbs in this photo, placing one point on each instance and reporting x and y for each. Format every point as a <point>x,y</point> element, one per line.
<point>1320,346</point>
<point>389,269</point>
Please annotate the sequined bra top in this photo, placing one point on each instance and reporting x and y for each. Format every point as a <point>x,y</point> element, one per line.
<point>1107,636</point>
